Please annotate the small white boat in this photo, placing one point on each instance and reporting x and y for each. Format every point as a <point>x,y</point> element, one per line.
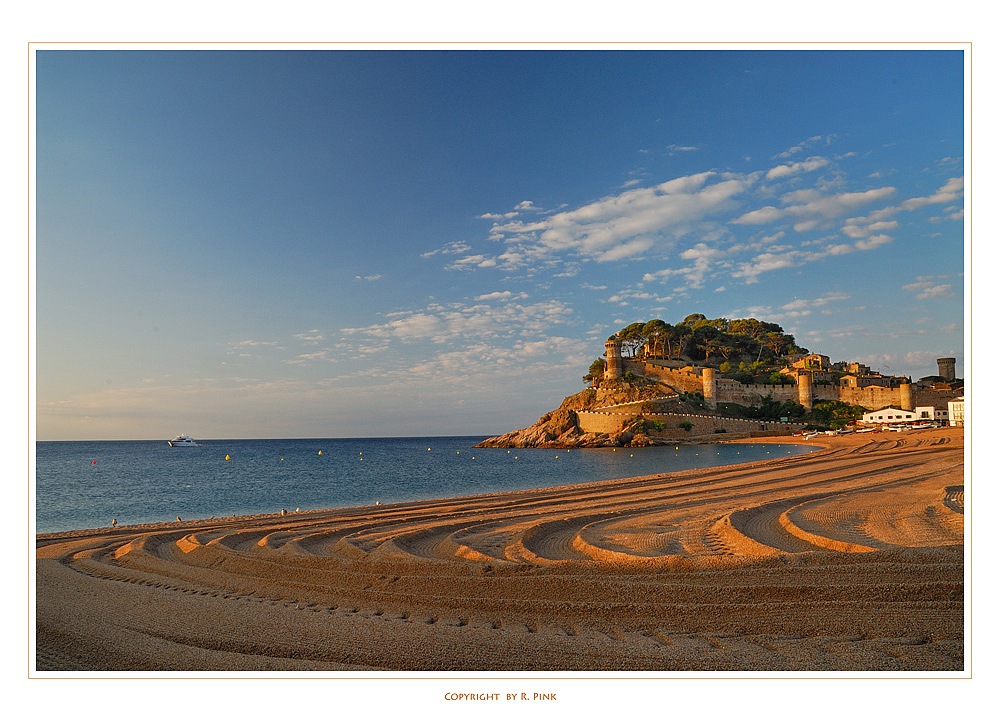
<point>181,440</point>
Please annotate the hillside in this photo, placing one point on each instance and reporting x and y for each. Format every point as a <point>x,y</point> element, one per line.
<point>561,427</point>
<point>744,350</point>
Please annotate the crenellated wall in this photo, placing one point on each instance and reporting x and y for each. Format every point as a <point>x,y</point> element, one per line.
<point>725,390</point>
<point>607,422</point>
<point>686,379</point>
<point>693,379</point>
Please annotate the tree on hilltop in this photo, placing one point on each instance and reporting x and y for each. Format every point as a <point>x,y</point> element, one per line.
<point>702,338</point>
<point>596,371</point>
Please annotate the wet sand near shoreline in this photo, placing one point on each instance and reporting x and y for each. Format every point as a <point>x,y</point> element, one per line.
<point>846,559</point>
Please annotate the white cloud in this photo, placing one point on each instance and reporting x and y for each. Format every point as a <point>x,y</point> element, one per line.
<point>473,261</point>
<point>947,193</point>
<point>501,295</point>
<point>930,290</point>
<point>311,336</point>
<point>322,355</point>
<point>863,230</point>
<point>452,248</point>
<point>805,166</point>
<point>873,242</point>
<point>801,303</point>
<point>620,226</point>
<point>796,149</point>
<point>813,207</point>
<point>439,324</point>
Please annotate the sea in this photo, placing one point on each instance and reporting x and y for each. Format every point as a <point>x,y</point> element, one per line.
<point>86,484</point>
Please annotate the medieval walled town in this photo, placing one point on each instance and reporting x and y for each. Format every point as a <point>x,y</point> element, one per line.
<point>660,383</point>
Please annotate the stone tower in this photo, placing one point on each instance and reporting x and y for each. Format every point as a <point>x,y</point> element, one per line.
<point>905,397</point>
<point>614,354</point>
<point>946,368</point>
<point>806,390</point>
<point>708,386</point>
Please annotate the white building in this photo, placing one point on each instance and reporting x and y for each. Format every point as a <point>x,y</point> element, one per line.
<point>895,415</point>
<point>956,411</point>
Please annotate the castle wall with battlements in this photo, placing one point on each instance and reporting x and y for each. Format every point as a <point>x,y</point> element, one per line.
<point>686,379</point>
<point>689,379</point>
<point>610,422</point>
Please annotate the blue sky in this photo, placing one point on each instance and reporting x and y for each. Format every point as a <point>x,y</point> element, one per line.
<point>382,243</point>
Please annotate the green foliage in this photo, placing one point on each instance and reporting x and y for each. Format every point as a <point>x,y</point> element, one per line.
<point>643,425</point>
<point>596,371</point>
<point>721,430</point>
<point>725,367</point>
<point>768,410</point>
<point>701,338</point>
<point>685,425</point>
<point>836,414</point>
<point>692,399</point>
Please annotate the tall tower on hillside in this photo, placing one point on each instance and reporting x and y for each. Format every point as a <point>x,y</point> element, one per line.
<point>805,380</point>
<point>709,386</point>
<point>946,368</point>
<point>614,354</point>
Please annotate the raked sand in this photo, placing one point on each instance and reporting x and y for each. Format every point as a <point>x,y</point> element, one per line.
<point>850,558</point>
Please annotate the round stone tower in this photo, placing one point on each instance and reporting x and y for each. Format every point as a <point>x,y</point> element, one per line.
<point>806,390</point>
<point>946,368</point>
<point>708,386</point>
<point>905,397</point>
<point>613,369</point>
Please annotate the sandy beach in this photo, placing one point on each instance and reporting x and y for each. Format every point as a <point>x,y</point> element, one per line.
<point>849,559</point>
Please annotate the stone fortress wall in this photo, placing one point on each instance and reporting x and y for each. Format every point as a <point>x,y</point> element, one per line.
<point>694,379</point>
<point>611,423</point>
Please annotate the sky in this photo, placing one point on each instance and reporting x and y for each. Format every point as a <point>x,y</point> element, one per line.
<point>334,243</point>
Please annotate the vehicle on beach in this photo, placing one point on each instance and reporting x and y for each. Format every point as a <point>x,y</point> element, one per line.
<point>181,440</point>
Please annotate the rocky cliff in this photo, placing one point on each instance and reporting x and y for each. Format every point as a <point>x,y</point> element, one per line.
<point>561,428</point>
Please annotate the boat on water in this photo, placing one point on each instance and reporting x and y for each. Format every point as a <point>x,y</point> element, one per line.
<point>181,440</point>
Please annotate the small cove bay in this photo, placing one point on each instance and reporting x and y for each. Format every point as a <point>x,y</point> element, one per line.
<point>86,484</point>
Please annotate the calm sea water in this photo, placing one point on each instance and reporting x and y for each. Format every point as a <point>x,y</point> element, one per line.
<point>86,484</point>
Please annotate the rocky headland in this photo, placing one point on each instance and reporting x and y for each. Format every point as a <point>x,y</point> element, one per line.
<point>629,400</point>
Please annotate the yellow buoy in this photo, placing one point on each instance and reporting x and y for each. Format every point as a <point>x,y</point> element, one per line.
<point>320,453</point>
<point>227,456</point>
